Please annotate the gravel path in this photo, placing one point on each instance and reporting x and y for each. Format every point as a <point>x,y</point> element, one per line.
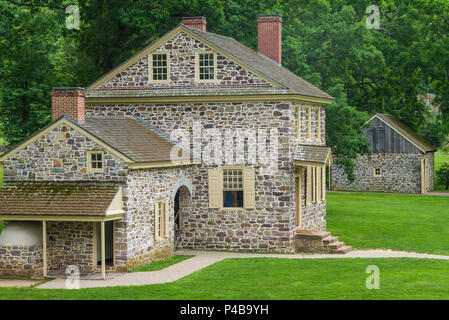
<point>204,259</point>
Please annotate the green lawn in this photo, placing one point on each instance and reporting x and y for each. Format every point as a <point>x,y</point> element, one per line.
<point>270,278</point>
<point>440,158</point>
<point>161,264</point>
<point>401,222</point>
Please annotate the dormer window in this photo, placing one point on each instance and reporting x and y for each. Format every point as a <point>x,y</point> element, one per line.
<point>159,67</point>
<point>206,67</point>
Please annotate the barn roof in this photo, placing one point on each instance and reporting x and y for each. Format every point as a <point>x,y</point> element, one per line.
<point>405,131</point>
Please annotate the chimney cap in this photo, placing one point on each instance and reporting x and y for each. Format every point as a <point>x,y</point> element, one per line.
<point>67,88</point>
<point>269,18</point>
<point>194,18</point>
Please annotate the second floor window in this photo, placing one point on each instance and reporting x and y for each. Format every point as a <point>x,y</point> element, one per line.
<point>95,161</point>
<point>206,67</point>
<point>159,67</point>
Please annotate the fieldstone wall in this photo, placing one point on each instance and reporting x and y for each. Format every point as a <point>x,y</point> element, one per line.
<point>270,227</point>
<point>181,50</point>
<point>401,172</point>
<point>21,261</point>
<point>61,155</point>
<point>135,241</point>
<point>70,243</point>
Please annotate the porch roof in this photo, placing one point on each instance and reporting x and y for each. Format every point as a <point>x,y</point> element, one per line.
<point>58,200</point>
<point>319,155</point>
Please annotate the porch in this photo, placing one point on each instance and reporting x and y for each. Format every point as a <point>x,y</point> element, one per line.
<point>75,223</point>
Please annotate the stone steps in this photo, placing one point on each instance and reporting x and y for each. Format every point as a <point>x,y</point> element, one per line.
<point>319,242</point>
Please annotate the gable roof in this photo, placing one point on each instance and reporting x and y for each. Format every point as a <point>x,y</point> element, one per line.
<point>405,132</point>
<point>262,64</point>
<point>59,199</point>
<point>131,139</point>
<point>64,119</point>
<point>235,51</point>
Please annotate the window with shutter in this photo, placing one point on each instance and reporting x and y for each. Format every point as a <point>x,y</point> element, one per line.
<point>249,188</point>
<point>215,188</point>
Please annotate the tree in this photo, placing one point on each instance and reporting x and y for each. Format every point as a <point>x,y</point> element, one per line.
<point>27,38</point>
<point>443,175</point>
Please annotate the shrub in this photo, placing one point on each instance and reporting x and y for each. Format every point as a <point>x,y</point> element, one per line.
<point>443,175</point>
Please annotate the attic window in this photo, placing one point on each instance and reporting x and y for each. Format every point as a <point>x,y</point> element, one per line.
<point>206,68</point>
<point>159,67</point>
<point>95,161</point>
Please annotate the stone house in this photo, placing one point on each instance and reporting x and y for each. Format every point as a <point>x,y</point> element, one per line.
<point>401,161</point>
<point>165,152</point>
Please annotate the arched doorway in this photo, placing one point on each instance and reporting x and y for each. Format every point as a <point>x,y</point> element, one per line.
<point>182,208</point>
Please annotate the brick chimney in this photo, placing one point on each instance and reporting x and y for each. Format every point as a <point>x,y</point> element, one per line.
<point>195,22</point>
<point>69,101</point>
<point>269,29</point>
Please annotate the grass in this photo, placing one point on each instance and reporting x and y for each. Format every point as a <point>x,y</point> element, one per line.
<point>271,278</point>
<point>401,222</point>
<point>161,264</point>
<point>440,158</point>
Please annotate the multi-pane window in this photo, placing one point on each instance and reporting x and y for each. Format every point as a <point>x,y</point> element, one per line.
<point>206,66</point>
<point>233,188</point>
<point>318,122</point>
<point>377,172</point>
<point>315,190</point>
<point>159,67</point>
<point>308,122</point>
<point>95,161</point>
<point>160,220</point>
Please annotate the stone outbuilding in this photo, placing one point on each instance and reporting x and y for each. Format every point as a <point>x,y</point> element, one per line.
<point>401,161</point>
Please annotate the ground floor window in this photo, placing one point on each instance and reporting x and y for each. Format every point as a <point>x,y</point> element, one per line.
<point>233,188</point>
<point>160,220</point>
<point>315,190</point>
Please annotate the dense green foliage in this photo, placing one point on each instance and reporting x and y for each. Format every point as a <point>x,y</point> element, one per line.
<point>441,157</point>
<point>398,222</point>
<point>276,279</point>
<point>161,264</point>
<point>324,41</point>
<point>442,175</point>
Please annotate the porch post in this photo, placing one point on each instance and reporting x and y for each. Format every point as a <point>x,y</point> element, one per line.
<point>44,247</point>
<point>103,256</point>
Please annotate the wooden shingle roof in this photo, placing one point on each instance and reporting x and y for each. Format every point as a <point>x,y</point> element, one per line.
<point>57,199</point>
<point>405,131</point>
<point>251,58</point>
<point>312,154</point>
<point>133,137</point>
